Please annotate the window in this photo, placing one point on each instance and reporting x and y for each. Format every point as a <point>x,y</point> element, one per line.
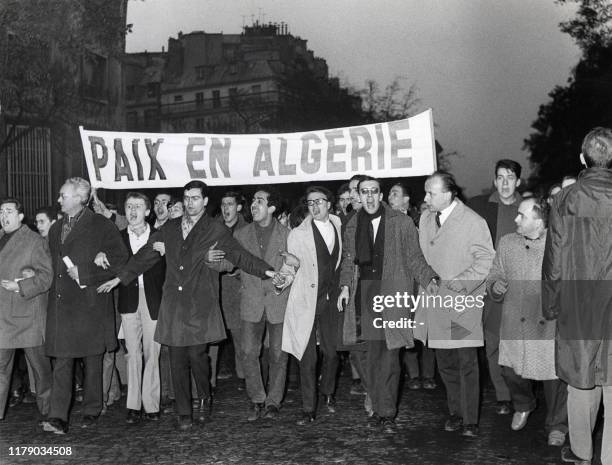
<point>152,89</point>
<point>256,89</point>
<point>199,99</point>
<point>233,68</point>
<point>94,76</point>
<point>216,98</point>
<point>200,72</point>
<point>131,120</point>
<point>130,92</point>
<point>200,124</point>
<point>178,98</point>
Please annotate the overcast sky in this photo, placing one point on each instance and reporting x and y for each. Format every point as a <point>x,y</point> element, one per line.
<point>483,66</point>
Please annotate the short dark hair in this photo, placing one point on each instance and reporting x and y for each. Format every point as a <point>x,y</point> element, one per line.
<point>140,196</point>
<point>18,204</point>
<point>448,183</point>
<point>237,196</point>
<point>342,189</point>
<point>405,189</point>
<point>597,148</point>
<point>510,165</point>
<point>541,207</point>
<point>51,212</point>
<point>369,178</point>
<point>297,215</point>
<point>197,184</point>
<point>274,199</point>
<point>358,177</point>
<point>321,190</point>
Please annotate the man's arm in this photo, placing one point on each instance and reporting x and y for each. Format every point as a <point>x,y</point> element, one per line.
<point>497,281</point>
<point>551,265</point>
<point>236,254</point>
<point>43,271</point>
<point>116,253</point>
<point>481,249</point>
<point>415,260</point>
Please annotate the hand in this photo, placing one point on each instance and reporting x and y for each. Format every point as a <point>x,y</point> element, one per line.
<point>279,280</point>
<point>290,259</point>
<point>214,255</point>
<point>74,273</point>
<point>432,287</point>
<point>160,247</point>
<point>100,208</point>
<point>11,286</point>
<point>500,286</point>
<point>456,286</point>
<point>343,298</point>
<point>101,260</point>
<point>108,286</point>
<point>270,273</point>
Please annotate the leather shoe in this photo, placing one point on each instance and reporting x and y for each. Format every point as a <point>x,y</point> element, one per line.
<point>88,421</point>
<point>16,398</point>
<point>152,416</point>
<point>519,420</point>
<point>568,456</point>
<point>133,417</point>
<point>429,383</point>
<point>414,384</point>
<point>470,431</point>
<point>271,412</point>
<point>169,408</point>
<point>255,411</point>
<point>184,422</point>
<point>306,419</point>
<point>387,425</point>
<point>453,423</point>
<point>55,425</point>
<point>556,438</point>
<point>29,398</point>
<point>502,407</point>
<point>203,410</point>
<point>330,403</point>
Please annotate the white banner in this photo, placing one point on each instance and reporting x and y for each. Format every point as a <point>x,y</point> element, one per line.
<point>125,160</point>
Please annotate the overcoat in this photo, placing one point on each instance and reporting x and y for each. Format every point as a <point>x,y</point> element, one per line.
<point>403,264</point>
<point>230,288</point>
<point>81,322</point>
<point>23,314</point>
<point>527,340</point>
<point>459,250</point>
<point>302,303</point>
<point>189,313</point>
<point>577,279</point>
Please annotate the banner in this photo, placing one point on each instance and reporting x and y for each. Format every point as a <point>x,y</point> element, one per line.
<point>125,160</point>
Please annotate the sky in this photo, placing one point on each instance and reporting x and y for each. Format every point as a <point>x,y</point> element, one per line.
<point>483,66</point>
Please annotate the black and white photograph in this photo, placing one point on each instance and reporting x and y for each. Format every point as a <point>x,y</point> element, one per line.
<point>296,232</point>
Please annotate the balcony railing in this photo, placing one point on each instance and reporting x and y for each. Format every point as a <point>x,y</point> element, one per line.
<point>238,102</point>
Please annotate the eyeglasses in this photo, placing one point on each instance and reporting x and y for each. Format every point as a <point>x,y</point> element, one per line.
<point>317,202</point>
<point>373,191</point>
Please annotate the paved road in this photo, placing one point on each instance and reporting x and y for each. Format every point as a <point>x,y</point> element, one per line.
<point>340,438</point>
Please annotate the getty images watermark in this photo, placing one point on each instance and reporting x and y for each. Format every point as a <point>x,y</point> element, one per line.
<point>406,302</point>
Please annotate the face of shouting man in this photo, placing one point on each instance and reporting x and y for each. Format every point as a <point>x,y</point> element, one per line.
<point>229,210</point>
<point>160,207</point>
<point>10,218</point>
<point>136,211</point>
<point>354,194</point>
<point>370,195</point>
<point>260,210</point>
<point>318,206</point>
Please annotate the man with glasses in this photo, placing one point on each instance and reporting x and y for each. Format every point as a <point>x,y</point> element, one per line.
<point>311,308</point>
<point>189,314</point>
<point>383,243</point>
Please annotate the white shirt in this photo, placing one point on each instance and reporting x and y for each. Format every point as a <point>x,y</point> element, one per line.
<point>444,214</point>
<point>327,230</point>
<point>137,242</point>
<point>375,225</point>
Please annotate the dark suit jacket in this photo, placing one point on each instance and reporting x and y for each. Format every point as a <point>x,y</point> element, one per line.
<point>81,322</point>
<point>153,284</point>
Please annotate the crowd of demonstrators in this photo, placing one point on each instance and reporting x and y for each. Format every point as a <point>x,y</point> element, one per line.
<point>302,279</point>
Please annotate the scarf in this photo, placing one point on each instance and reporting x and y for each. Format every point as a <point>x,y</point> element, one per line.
<point>364,236</point>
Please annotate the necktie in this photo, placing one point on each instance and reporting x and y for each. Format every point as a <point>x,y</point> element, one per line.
<point>438,223</point>
<point>66,228</point>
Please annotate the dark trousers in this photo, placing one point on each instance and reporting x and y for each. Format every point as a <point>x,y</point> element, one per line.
<point>383,378</point>
<point>329,363</point>
<point>426,367</point>
<point>491,317</point>
<point>182,360</point>
<point>252,338</point>
<point>61,391</point>
<point>359,358</point>
<point>524,399</point>
<point>459,371</point>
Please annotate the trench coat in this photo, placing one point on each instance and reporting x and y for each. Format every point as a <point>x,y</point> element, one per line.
<point>459,250</point>
<point>230,288</point>
<point>189,313</point>
<point>403,264</point>
<point>302,302</point>
<point>81,322</point>
<point>527,340</point>
<point>577,279</point>
<point>23,314</point>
